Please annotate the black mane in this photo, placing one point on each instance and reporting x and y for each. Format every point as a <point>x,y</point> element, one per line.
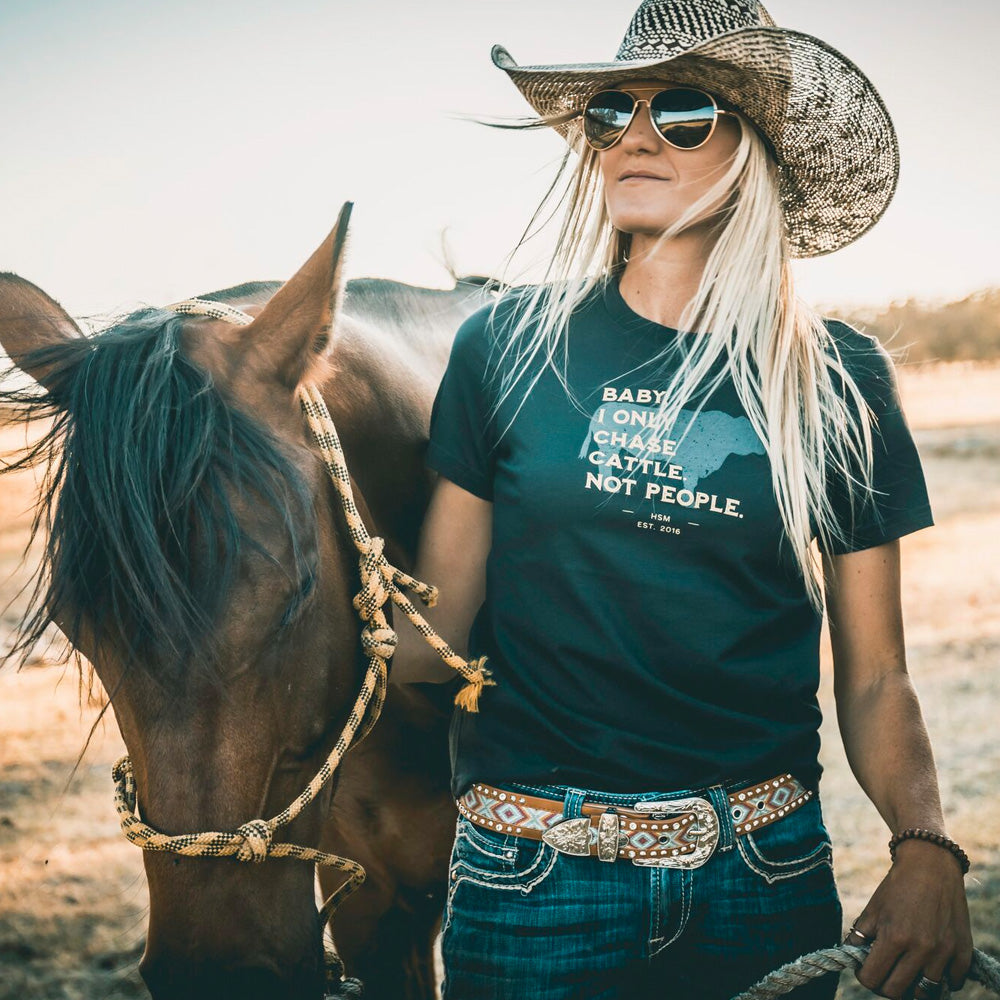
<point>142,457</point>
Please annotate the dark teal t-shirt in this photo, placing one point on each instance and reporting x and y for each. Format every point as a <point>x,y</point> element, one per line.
<point>644,623</point>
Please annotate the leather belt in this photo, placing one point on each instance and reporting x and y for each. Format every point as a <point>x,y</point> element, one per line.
<point>667,832</point>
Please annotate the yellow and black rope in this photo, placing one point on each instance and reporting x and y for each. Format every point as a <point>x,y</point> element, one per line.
<point>380,581</point>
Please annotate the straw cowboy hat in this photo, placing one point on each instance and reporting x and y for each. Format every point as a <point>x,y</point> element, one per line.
<point>827,126</point>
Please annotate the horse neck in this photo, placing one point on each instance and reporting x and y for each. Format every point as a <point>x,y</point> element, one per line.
<point>381,407</point>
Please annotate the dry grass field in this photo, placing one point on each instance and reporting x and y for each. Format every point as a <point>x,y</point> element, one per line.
<point>72,893</point>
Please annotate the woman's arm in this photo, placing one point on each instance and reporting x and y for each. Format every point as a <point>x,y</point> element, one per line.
<point>877,707</point>
<point>919,915</point>
<point>455,540</point>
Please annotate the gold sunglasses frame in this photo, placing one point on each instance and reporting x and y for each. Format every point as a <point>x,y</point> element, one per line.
<point>649,110</point>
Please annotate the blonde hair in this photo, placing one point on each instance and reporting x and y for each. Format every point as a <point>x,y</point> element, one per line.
<point>784,362</point>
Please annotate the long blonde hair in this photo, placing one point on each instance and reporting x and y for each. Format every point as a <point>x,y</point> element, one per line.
<point>783,360</point>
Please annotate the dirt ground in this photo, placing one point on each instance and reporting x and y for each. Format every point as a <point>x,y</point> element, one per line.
<point>72,893</point>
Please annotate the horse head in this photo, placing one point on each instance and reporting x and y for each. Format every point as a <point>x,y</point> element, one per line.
<point>194,557</point>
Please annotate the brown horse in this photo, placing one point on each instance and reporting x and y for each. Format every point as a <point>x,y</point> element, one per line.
<point>195,556</point>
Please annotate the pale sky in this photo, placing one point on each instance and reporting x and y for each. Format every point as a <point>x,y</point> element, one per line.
<point>155,151</point>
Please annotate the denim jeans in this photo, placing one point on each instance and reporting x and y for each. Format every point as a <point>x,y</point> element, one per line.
<point>525,921</point>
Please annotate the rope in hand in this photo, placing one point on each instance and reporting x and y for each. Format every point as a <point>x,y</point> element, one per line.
<point>254,841</point>
<point>984,969</point>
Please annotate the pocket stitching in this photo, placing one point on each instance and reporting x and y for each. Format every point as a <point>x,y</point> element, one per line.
<point>505,861</point>
<point>453,882</point>
<point>509,880</point>
<point>825,858</point>
<point>785,862</point>
<point>469,831</point>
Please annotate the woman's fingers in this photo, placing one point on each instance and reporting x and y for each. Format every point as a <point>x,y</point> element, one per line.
<point>857,936</point>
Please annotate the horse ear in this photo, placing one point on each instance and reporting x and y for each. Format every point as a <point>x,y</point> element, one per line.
<point>293,333</point>
<point>30,319</point>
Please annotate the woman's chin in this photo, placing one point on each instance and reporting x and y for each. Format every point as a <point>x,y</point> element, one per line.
<point>642,224</point>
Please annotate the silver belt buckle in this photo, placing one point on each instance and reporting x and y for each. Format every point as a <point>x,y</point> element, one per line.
<point>573,836</point>
<point>706,829</point>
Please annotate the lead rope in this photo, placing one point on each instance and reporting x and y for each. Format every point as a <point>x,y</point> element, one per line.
<point>983,969</point>
<point>380,581</point>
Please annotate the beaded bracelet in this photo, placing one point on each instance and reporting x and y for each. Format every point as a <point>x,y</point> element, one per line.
<point>935,838</point>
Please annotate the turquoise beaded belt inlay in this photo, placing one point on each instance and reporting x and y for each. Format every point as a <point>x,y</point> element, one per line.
<point>681,832</point>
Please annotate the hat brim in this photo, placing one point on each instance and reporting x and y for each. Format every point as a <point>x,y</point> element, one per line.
<point>830,131</point>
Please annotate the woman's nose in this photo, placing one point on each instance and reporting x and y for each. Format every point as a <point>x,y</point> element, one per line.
<point>641,134</point>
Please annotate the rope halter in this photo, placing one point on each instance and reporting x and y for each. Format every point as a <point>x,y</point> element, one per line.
<point>254,842</point>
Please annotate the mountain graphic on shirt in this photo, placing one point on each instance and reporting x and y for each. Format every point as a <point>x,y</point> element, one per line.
<point>714,436</point>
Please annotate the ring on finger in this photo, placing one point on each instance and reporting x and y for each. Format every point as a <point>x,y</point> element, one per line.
<point>860,934</point>
<point>932,986</point>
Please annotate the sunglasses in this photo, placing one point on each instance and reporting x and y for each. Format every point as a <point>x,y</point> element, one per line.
<point>683,116</point>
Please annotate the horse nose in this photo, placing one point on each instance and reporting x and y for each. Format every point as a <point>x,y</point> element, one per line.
<point>174,978</point>
<point>218,929</point>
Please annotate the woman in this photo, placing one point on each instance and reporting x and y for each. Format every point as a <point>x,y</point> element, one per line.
<point>627,540</point>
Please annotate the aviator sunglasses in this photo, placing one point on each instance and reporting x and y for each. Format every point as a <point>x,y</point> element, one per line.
<point>683,116</point>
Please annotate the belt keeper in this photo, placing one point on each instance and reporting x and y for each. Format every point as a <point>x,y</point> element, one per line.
<point>607,836</point>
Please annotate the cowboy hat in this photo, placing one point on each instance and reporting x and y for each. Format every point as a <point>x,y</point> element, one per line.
<point>825,124</point>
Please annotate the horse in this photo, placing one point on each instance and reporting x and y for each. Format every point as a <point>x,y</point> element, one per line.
<point>194,556</point>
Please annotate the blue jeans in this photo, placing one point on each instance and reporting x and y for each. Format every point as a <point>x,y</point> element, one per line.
<point>525,921</point>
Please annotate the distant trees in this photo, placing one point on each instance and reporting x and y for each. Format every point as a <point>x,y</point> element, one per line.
<point>967,330</point>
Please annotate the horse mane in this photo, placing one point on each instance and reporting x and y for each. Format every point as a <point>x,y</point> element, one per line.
<point>141,457</point>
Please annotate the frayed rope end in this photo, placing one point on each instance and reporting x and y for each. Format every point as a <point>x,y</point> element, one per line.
<point>468,697</point>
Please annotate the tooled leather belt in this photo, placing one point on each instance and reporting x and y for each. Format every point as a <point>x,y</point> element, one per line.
<point>666,832</point>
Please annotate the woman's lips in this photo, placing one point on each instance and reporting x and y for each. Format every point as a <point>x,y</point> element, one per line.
<point>640,177</point>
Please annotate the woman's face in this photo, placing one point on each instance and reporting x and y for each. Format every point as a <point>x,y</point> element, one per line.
<point>674,177</point>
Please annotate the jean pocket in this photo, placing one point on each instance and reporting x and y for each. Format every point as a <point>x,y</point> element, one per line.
<point>505,860</point>
<point>790,846</point>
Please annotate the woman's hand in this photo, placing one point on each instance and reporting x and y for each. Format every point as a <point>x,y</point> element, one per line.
<point>917,923</point>
<point>454,543</point>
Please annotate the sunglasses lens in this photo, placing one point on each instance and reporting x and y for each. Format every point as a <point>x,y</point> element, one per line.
<point>606,116</point>
<point>684,117</point>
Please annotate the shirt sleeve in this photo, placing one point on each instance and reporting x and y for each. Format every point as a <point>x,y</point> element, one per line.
<point>462,440</point>
<point>899,503</point>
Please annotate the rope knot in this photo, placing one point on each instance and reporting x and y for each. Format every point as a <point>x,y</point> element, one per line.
<point>124,779</point>
<point>378,641</point>
<point>372,546</point>
<point>374,571</point>
<point>256,836</point>
<point>122,769</point>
